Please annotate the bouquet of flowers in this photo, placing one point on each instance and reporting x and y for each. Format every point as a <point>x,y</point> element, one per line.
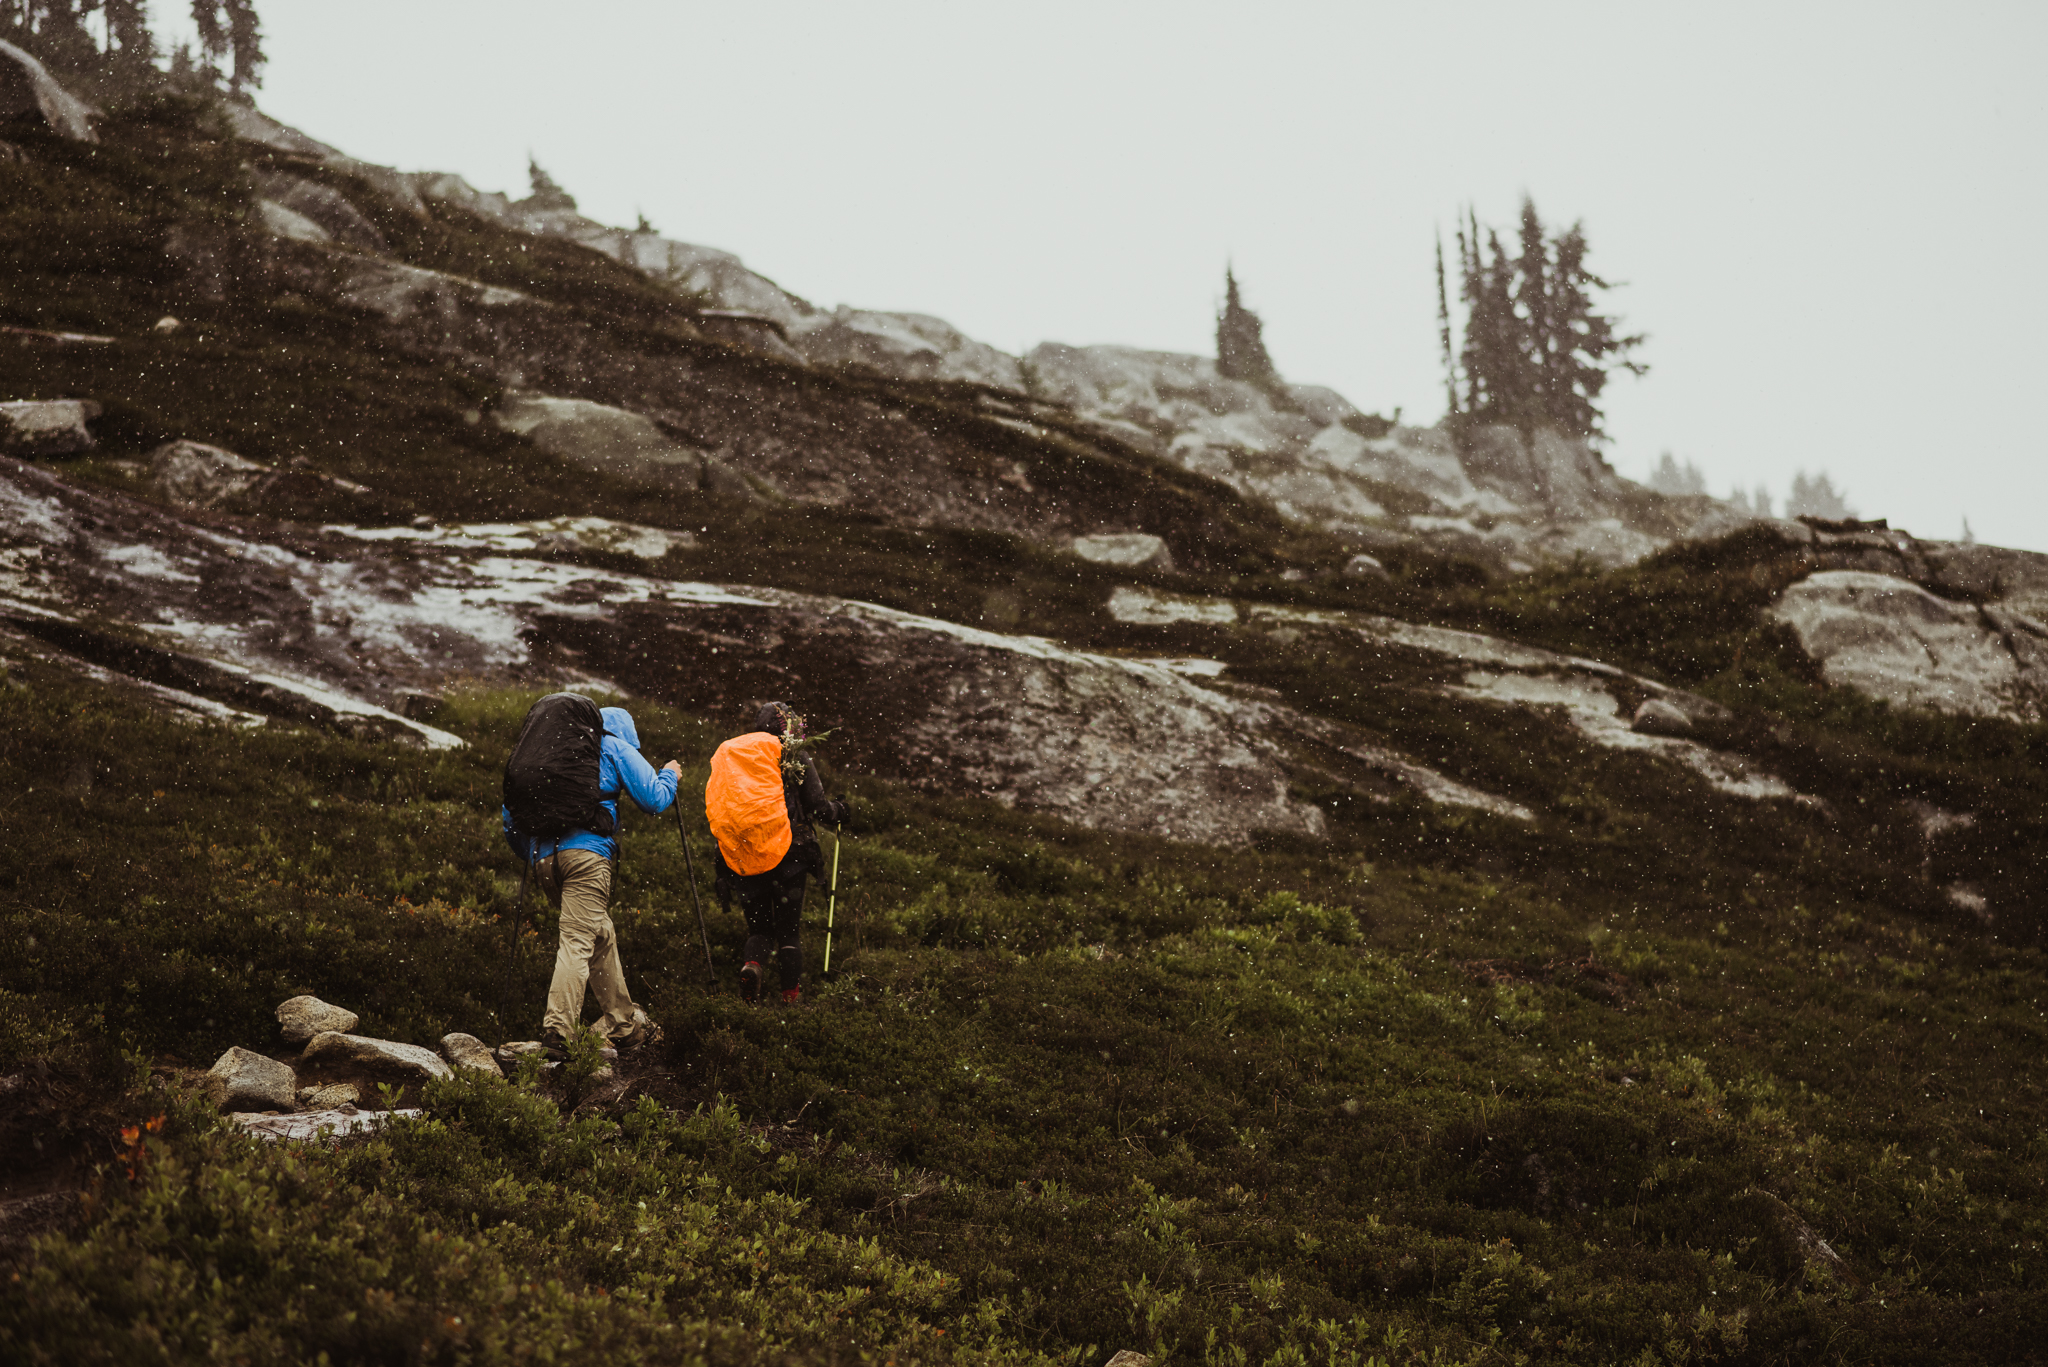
<point>796,740</point>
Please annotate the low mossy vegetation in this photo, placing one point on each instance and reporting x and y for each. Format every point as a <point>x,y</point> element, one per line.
<point>1442,1088</point>
<point>1063,1093</point>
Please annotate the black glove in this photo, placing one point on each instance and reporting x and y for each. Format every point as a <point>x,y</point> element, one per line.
<point>840,811</point>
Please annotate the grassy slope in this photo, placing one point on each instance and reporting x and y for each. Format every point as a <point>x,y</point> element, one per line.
<point>1063,1089</point>
<point>1113,1092</point>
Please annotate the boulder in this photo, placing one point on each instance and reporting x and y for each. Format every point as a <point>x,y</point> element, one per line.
<point>1657,717</point>
<point>1128,1358</point>
<point>910,346</point>
<point>201,476</point>
<point>615,441</point>
<point>333,1049</point>
<point>1892,639</point>
<point>467,1051</point>
<point>301,1018</point>
<point>46,427</point>
<point>246,1081</point>
<point>329,1096</point>
<point>1125,550</point>
<point>28,90</point>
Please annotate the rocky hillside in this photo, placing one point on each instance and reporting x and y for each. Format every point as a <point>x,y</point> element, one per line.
<point>1316,890</point>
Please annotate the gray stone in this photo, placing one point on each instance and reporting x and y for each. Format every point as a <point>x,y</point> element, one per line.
<point>331,1049</point>
<point>246,1081</point>
<point>1128,1358</point>
<point>615,441</point>
<point>47,427</point>
<point>337,217</point>
<point>28,90</point>
<point>301,1018</point>
<point>1603,541</point>
<point>1364,566</point>
<point>282,221</point>
<point>329,1096</point>
<point>909,346</point>
<point>2016,579</point>
<point>1657,717</point>
<point>1125,550</point>
<point>467,1051</point>
<point>1892,639</point>
<point>202,476</point>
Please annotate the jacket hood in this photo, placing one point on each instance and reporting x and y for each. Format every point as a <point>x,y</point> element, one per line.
<point>619,722</point>
<point>773,718</point>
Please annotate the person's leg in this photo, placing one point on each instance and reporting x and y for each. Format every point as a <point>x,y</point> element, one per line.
<point>789,950</point>
<point>585,883</point>
<point>622,1021</point>
<point>759,911</point>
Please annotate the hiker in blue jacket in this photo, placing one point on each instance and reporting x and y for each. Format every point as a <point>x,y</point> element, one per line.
<point>577,871</point>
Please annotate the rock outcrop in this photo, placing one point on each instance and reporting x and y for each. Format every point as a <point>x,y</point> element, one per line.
<point>28,90</point>
<point>1893,639</point>
<point>332,213</point>
<point>47,427</point>
<point>614,441</point>
<point>910,346</point>
<point>1585,693</point>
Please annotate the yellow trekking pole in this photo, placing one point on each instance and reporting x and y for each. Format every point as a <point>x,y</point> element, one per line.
<point>832,901</point>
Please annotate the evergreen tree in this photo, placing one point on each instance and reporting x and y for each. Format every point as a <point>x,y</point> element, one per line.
<point>102,48</point>
<point>546,193</point>
<point>1817,496</point>
<point>1240,343</point>
<point>1443,324</point>
<point>1537,350</point>
<point>230,42</point>
<point>1679,480</point>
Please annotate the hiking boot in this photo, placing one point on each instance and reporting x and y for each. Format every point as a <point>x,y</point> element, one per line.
<point>792,996</point>
<point>750,980</point>
<point>554,1047</point>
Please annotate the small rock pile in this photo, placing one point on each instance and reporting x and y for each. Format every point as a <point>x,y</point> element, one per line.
<point>332,1064</point>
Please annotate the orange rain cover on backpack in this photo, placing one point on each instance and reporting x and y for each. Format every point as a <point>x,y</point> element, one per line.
<point>744,803</point>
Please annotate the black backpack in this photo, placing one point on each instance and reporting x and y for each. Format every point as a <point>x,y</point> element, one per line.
<point>551,779</point>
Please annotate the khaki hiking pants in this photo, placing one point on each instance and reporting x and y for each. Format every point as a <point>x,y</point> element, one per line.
<point>589,953</point>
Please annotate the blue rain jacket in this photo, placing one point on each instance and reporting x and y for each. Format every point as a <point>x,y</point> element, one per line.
<point>620,768</point>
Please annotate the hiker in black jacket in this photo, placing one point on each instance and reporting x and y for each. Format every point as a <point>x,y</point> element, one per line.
<point>762,804</point>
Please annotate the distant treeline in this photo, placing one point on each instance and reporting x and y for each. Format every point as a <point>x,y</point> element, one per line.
<point>107,50</point>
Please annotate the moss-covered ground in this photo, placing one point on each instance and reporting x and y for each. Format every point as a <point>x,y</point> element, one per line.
<point>1438,1089</point>
<point>1062,1093</point>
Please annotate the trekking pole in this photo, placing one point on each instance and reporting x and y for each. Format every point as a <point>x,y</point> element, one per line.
<point>690,863</point>
<point>512,959</point>
<point>832,901</point>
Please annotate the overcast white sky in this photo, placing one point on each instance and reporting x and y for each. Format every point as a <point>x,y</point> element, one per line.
<point>1828,216</point>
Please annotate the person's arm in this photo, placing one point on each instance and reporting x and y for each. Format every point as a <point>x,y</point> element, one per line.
<point>652,792</point>
<point>820,807</point>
